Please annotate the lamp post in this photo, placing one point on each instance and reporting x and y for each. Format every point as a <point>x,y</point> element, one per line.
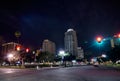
<point>34,56</point>
<point>62,54</point>
<point>10,57</point>
<point>99,40</point>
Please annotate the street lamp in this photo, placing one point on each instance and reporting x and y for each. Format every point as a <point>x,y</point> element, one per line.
<point>10,56</point>
<point>62,54</point>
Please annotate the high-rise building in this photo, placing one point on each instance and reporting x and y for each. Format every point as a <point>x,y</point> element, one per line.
<point>48,46</point>
<point>80,53</point>
<point>70,41</point>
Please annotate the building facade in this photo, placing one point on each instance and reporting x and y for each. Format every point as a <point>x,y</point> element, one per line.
<point>115,42</point>
<point>9,48</point>
<point>48,46</point>
<point>70,41</point>
<point>80,53</point>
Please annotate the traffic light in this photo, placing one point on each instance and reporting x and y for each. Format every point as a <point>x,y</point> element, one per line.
<point>118,35</point>
<point>99,39</point>
<point>18,48</point>
<point>27,50</point>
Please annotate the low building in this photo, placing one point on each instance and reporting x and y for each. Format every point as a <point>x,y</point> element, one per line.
<point>48,46</point>
<point>8,49</point>
<point>80,53</point>
<point>115,42</point>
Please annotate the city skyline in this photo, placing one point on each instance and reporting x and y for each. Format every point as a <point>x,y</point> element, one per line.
<point>39,20</point>
<point>60,40</point>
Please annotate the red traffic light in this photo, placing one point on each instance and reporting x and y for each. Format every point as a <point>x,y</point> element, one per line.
<point>99,39</point>
<point>118,35</point>
<point>18,48</point>
<point>27,50</point>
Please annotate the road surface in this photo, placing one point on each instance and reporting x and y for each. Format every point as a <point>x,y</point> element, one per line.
<point>81,73</point>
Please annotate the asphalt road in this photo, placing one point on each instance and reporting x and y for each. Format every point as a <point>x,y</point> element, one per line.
<point>81,73</point>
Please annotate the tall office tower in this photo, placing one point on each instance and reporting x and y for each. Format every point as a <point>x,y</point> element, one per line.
<point>70,41</point>
<point>48,46</point>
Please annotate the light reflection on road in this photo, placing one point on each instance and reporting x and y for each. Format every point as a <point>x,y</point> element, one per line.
<point>7,71</point>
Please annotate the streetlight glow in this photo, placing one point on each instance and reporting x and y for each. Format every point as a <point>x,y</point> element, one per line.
<point>10,56</point>
<point>61,52</point>
<point>103,55</point>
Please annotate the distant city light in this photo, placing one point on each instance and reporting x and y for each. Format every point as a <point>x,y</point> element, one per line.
<point>74,61</point>
<point>103,55</point>
<point>33,52</point>
<point>61,52</point>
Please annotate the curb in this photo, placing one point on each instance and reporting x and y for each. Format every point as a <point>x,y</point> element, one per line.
<point>110,67</point>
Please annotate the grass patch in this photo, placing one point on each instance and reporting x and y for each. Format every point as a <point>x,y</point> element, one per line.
<point>14,67</point>
<point>116,65</point>
<point>112,65</point>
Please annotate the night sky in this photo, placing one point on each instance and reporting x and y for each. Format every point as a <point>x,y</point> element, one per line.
<point>50,19</point>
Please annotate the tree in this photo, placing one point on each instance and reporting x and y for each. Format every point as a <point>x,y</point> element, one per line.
<point>58,58</point>
<point>1,42</point>
<point>114,54</point>
<point>45,57</point>
<point>88,55</point>
<point>69,57</point>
